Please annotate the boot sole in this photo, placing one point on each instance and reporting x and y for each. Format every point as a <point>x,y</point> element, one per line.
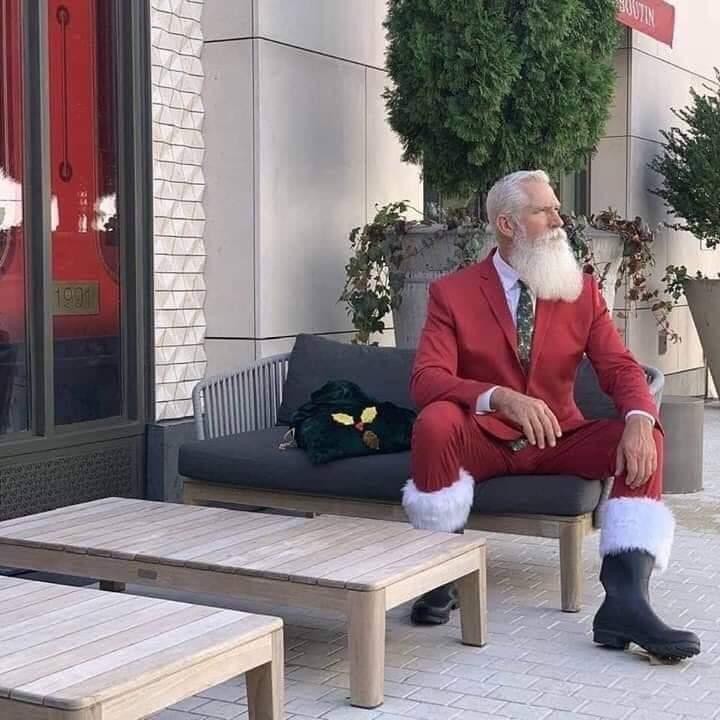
<point>666,651</point>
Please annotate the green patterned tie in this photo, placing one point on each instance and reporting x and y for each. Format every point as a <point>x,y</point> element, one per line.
<point>525,323</point>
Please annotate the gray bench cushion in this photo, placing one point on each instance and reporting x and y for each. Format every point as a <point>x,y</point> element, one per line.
<point>253,460</point>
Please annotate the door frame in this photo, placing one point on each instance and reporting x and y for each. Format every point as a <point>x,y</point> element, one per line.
<point>135,193</point>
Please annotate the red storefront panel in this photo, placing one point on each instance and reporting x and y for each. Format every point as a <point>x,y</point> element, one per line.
<point>655,18</point>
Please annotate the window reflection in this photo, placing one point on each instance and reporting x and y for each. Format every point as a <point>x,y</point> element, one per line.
<point>85,245</point>
<point>14,388</point>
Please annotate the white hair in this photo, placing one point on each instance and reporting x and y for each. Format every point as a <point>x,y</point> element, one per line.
<point>508,195</point>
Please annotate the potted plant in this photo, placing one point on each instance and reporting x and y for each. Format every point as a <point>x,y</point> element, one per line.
<point>629,264</point>
<point>690,188</point>
<point>479,90</point>
<point>392,264</point>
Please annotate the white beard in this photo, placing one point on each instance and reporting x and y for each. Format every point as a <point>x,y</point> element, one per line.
<point>547,265</point>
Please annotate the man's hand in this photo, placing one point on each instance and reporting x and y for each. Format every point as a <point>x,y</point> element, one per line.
<point>636,453</point>
<point>535,418</point>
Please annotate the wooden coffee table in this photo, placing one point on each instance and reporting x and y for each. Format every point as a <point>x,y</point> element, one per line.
<point>71,653</point>
<point>360,567</point>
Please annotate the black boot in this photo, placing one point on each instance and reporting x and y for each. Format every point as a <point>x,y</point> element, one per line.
<point>626,616</point>
<point>433,608</point>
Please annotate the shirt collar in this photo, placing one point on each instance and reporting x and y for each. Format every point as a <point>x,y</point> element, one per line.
<point>508,275</point>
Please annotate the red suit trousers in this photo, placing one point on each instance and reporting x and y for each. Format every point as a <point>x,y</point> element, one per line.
<point>447,438</point>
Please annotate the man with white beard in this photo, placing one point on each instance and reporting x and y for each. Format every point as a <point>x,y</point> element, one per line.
<point>493,378</point>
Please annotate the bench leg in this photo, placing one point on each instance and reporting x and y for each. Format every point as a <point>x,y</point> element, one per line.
<point>112,586</point>
<point>265,685</point>
<point>472,594</point>
<point>571,565</point>
<point>366,641</point>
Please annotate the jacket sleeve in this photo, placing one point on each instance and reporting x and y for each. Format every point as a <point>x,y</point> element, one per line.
<point>434,375</point>
<point>619,373</point>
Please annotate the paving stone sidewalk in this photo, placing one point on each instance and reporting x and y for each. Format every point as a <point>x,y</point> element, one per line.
<point>540,663</point>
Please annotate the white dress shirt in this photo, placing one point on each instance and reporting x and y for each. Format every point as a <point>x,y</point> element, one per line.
<point>509,279</point>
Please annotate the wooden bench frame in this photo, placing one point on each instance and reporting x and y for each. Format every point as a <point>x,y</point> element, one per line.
<point>249,399</point>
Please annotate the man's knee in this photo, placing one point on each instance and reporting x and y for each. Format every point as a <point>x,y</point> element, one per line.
<point>438,423</point>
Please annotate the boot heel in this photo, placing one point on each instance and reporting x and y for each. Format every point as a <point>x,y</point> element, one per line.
<point>610,639</point>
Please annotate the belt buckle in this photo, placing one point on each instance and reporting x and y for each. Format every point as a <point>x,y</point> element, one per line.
<point>519,444</point>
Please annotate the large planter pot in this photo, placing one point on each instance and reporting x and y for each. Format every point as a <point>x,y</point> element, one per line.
<point>703,297</point>
<point>607,249</point>
<point>430,251</point>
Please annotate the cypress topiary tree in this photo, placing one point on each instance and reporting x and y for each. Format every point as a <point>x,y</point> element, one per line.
<point>690,166</point>
<point>484,87</point>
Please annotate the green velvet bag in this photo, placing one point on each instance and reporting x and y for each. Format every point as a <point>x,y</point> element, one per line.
<point>341,421</point>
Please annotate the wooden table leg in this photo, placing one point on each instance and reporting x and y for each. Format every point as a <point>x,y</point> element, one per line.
<point>265,685</point>
<point>472,591</point>
<point>366,641</point>
<point>571,565</point>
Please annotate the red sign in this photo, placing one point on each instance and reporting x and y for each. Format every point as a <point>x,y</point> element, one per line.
<point>655,18</point>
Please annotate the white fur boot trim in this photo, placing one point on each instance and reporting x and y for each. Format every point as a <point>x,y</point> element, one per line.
<point>444,510</point>
<point>637,524</point>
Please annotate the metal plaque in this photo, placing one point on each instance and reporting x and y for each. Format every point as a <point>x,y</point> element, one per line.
<point>76,298</point>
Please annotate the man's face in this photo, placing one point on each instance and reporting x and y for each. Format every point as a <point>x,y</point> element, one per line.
<point>541,214</point>
<point>539,250</point>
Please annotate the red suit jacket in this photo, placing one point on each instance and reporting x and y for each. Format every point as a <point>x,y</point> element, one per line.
<point>469,344</point>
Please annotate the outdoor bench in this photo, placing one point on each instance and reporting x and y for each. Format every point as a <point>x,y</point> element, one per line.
<point>242,416</point>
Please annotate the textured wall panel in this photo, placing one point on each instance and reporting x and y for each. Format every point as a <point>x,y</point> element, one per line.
<point>79,476</point>
<point>179,184</point>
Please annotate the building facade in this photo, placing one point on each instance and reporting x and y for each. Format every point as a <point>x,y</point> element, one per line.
<point>652,79</point>
<point>178,179</point>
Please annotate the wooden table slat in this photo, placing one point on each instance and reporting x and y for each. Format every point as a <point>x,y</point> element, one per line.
<point>370,551</point>
<point>255,535</point>
<point>297,567</point>
<point>67,516</point>
<point>119,526</point>
<point>402,568</point>
<point>357,568</point>
<point>262,560</point>
<point>33,602</point>
<point>95,640</point>
<point>189,651</point>
<point>19,626</point>
<point>264,527</point>
<point>140,534</point>
<point>225,527</point>
<point>69,510</point>
<point>223,557</point>
<point>48,535</point>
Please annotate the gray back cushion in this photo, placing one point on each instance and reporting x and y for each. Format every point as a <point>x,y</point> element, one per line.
<point>589,397</point>
<point>382,373</point>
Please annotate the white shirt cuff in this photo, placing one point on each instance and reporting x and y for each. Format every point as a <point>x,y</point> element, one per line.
<point>482,404</point>
<point>640,412</point>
